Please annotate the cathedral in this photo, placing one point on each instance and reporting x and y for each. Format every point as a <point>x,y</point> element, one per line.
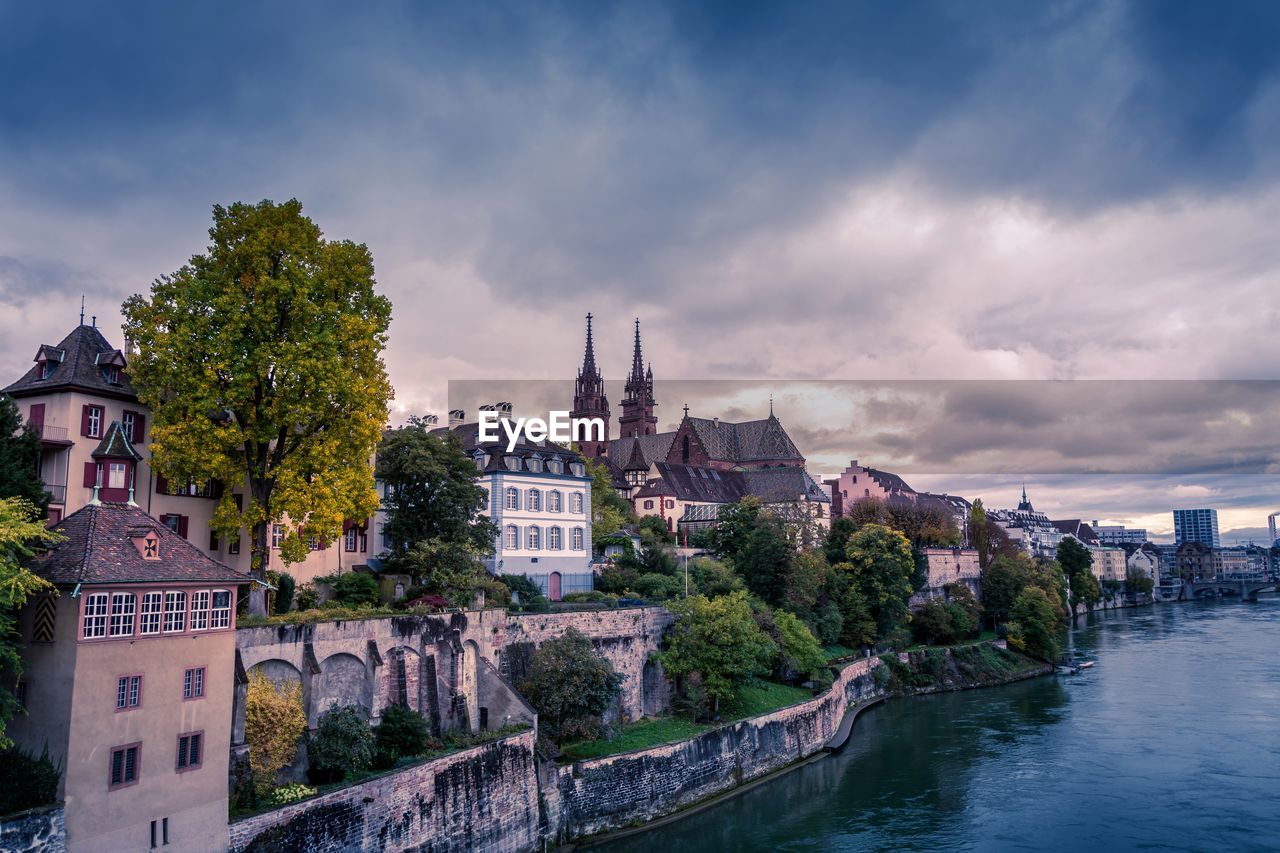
<point>704,461</point>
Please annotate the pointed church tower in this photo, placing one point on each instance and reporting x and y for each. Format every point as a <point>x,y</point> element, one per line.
<point>637,408</point>
<point>589,400</point>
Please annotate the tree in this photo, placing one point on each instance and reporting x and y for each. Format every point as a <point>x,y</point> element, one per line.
<point>19,456</point>
<point>452,569</point>
<point>838,538</point>
<point>273,723</point>
<point>963,597</point>
<point>717,639</point>
<point>1034,629</point>
<point>609,510</point>
<point>653,529</point>
<point>881,567</point>
<point>355,589</point>
<point>1139,582</point>
<point>261,362</point>
<point>857,625</point>
<point>432,493</point>
<point>712,578</point>
<point>343,743</point>
<point>757,546</point>
<point>932,622</point>
<point>285,587</point>
<point>799,654</point>
<point>1077,563</point>
<point>1002,581</point>
<point>805,582</point>
<point>571,686</point>
<point>988,538</point>
<point>925,524</point>
<point>401,731</point>
<point>21,536</point>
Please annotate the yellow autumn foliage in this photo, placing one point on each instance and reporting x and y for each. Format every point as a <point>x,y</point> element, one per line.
<point>273,722</point>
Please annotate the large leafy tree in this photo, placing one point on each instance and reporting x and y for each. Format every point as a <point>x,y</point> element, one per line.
<point>21,535</point>
<point>1035,625</point>
<point>609,510</point>
<point>261,360</point>
<point>571,686</point>
<point>756,543</point>
<point>19,455</point>
<point>1077,565</point>
<point>717,640</point>
<point>881,568</point>
<point>434,528</point>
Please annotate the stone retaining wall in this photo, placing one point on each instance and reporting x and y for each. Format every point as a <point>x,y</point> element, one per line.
<point>481,799</point>
<point>41,830</point>
<point>603,794</point>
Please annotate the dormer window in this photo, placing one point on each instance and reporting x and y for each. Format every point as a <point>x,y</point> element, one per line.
<point>111,375</point>
<point>535,464</point>
<point>148,546</point>
<point>47,368</point>
<point>578,469</point>
<point>512,462</point>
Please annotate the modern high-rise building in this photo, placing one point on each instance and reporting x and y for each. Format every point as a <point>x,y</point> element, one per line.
<point>1196,525</point>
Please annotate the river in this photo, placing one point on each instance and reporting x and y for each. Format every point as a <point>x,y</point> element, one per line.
<point>1172,742</point>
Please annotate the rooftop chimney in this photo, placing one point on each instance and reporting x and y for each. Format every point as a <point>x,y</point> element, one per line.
<point>456,417</point>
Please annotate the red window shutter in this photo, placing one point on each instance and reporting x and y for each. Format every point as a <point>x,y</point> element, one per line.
<point>90,474</point>
<point>37,414</point>
<point>84,420</point>
<point>139,428</point>
<point>162,485</point>
<point>182,526</point>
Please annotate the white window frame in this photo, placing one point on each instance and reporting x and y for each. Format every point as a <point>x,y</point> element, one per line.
<point>95,611</point>
<point>151,613</point>
<point>512,499</point>
<point>95,421</point>
<point>533,536</point>
<point>575,502</point>
<point>576,539</point>
<point>533,500</point>
<point>200,610</point>
<point>555,501</point>
<point>112,469</point>
<point>511,538</point>
<point>124,606</point>
<point>555,539</point>
<point>220,617</point>
<point>175,611</point>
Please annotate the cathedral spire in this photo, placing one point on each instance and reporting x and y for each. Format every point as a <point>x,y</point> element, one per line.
<point>637,361</point>
<point>589,360</point>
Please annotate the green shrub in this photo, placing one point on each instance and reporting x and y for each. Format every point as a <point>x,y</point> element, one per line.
<point>286,794</point>
<point>342,744</point>
<point>26,781</point>
<point>658,587</point>
<point>522,585</point>
<point>354,589</point>
<point>402,732</point>
<point>308,597</point>
<point>285,585</point>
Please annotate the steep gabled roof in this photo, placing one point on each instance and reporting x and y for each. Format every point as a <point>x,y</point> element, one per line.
<point>99,549</point>
<point>79,359</point>
<point>749,441</point>
<point>116,445</point>
<point>709,485</point>
<point>1077,528</point>
<point>652,447</point>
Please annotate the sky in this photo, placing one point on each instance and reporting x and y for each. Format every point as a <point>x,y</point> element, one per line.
<point>791,191</point>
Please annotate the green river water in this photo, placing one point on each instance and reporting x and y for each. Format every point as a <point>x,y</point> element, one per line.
<point>1172,742</point>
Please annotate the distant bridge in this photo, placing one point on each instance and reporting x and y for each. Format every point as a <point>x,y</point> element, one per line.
<point>1246,589</point>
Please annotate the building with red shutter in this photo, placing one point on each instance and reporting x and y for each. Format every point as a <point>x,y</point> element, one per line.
<point>128,680</point>
<point>94,432</point>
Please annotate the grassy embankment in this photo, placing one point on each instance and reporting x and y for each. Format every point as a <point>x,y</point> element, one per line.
<point>751,701</point>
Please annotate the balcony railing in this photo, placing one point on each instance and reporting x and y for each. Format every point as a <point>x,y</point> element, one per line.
<point>57,494</point>
<point>48,432</point>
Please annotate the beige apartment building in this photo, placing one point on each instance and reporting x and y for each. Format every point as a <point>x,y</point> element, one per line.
<point>93,432</point>
<point>128,680</point>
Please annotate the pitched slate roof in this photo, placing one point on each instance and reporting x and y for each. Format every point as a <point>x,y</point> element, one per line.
<point>653,447</point>
<point>708,485</point>
<point>469,435</point>
<point>1077,528</point>
<point>888,481</point>
<point>83,353</point>
<point>99,549</point>
<point>116,445</point>
<point>748,441</point>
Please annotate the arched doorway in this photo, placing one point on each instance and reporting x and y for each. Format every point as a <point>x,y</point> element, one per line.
<point>553,586</point>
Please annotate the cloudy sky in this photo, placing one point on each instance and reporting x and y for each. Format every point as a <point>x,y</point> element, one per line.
<point>843,191</point>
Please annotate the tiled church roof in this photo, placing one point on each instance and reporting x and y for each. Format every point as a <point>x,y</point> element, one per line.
<point>80,359</point>
<point>708,485</point>
<point>99,549</point>
<point>745,442</point>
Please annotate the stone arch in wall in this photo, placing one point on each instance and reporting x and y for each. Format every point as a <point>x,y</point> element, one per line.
<point>401,680</point>
<point>281,673</point>
<point>343,680</point>
<point>469,684</point>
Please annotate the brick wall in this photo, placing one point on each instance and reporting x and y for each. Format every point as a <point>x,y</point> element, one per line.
<point>481,799</point>
<point>608,793</point>
<point>41,830</point>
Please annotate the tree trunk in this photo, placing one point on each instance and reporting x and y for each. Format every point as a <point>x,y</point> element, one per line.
<point>261,555</point>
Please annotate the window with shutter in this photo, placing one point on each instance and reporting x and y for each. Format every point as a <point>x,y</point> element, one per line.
<point>90,474</point>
